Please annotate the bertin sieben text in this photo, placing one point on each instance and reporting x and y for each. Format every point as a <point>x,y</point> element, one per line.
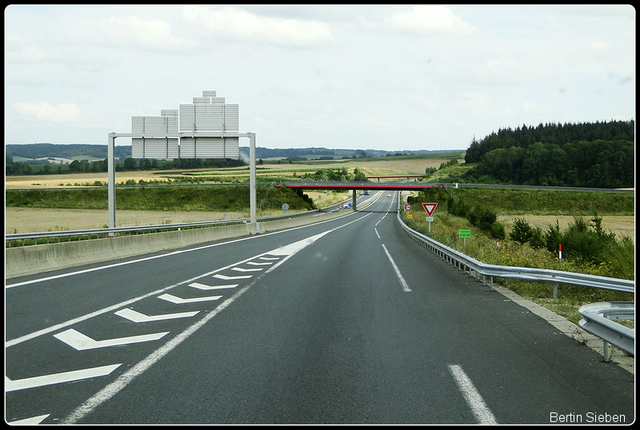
<point>589,417</point>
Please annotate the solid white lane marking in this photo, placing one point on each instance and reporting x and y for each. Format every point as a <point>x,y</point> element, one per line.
<point>29,421</point>
<point>58,378</point>
<point>138,317</point>
<point>209,287</point>
<point>121,382</point>
<point>404,284</point>
<point>253,263</point>
<point>475,401</point>
<point>81,342</point>
<point>269,258</point>
<point>180,301</point>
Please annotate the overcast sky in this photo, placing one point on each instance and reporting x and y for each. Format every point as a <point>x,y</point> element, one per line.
<point>354,77</point>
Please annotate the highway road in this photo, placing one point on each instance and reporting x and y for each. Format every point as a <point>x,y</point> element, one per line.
<point>346,321</point>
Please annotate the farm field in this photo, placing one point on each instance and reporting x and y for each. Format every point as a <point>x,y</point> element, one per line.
<point>30,220</point>
<point>383,167</point>
<point>61,181</point>
<point>34,220</point>
<point>620,225</point>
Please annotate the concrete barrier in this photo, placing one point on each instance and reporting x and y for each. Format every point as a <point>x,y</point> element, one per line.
<point>28,260</point>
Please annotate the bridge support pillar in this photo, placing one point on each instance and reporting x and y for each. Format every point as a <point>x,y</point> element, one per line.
<point>354,199</point>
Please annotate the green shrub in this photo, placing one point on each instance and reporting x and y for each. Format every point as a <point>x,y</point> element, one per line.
<point>497,231</point>
<point>553,237</point>
<point>521,231</point>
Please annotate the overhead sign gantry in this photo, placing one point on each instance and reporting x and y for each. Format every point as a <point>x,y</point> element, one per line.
<point>207,128</point>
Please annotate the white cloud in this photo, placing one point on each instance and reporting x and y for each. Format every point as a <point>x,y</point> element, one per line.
<point>44,111</point>
<point>132,31</point>
<point>429,20</point>
<point>240,25</point>
<point>600,46</point>
<point>478,104</point>
<point>529,107</point>
<point>425,102</point>
<point>375,124</point>
<point>29,54</point>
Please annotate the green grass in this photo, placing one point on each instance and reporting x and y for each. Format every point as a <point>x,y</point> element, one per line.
<point>187,198</point>
<point>513,201</point>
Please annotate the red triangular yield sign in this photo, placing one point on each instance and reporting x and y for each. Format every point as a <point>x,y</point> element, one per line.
<point>429,207</point>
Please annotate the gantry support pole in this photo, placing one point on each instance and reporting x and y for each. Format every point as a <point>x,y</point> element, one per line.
<point>252,179</point>
<point>111,180</point>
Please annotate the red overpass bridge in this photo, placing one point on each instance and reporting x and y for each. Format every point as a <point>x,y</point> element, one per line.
<point>394,177</point>
<point>355,186</point>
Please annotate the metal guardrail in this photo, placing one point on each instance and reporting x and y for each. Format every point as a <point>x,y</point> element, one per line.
<point>525,273</point>
<point>599,321</point>
<point>146,228</point>
<point>597,316</point>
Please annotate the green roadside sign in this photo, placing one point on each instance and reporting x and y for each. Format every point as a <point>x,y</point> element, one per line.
<point>464,234</point>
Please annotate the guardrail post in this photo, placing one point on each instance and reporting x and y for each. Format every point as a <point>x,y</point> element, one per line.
<point>605,351</point>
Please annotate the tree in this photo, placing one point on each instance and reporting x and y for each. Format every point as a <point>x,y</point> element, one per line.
<point>521,231</point>
<point>75,167</point>
<point>358,175</point>
<point>130,164</point>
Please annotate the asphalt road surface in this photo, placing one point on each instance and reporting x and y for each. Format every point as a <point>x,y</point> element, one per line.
<point>346,321</point>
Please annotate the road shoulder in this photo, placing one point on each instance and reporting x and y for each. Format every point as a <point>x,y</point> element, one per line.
<point>570,329</point>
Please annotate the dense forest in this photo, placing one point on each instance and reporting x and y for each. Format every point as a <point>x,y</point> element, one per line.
<point>599,155</point>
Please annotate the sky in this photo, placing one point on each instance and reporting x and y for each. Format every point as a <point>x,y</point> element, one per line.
<point>387,77</point>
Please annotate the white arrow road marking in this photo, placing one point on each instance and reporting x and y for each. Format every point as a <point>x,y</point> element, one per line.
<point>138,317</point>
<point>294,247</point>
<point>79,341</point>
<point>127,377</point>
<point>240,269</point>
<point>58,378</point>
<point>208,287</point>
<point>180,301</point>
<point>231,278</point>
<point>30,421</point>
<point>290,250</point>
<point>477,405</point>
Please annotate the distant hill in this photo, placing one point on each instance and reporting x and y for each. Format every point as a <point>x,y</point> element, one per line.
<point>73,151</point>
<point>316,153</point>
<point>93,152</point>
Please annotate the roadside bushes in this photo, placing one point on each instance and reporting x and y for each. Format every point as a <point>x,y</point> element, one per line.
<point>479,216</point>
<point>584,241</point>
